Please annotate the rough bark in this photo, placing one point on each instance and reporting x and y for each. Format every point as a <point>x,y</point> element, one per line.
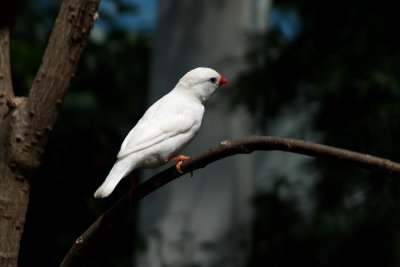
<point>26,122</point>
<point>14,189</point>
<point>225,149</point>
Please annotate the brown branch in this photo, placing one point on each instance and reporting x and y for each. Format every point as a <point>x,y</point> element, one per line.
<point>36,116</point>
<point>225,149</point>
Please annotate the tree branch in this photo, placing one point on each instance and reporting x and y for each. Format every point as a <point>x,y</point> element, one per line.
<point>66,43</point>
<point>225,149</point>
<point>35,117</point>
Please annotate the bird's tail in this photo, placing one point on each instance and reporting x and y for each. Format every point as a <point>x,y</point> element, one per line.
<point>120,169</point>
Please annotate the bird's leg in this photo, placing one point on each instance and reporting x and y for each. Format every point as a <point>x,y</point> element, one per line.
<point>181,159</point>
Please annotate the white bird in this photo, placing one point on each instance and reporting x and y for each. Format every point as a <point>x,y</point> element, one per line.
<point>165,128</point>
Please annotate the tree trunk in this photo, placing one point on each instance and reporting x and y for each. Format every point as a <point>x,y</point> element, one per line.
<point>13,205</point>
<point>14,187</point>
<point>26,122</point>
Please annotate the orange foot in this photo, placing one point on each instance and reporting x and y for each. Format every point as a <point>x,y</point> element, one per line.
<point>181,159</point>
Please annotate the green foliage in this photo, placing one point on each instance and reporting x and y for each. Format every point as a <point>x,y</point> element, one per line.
<point>344,56</point>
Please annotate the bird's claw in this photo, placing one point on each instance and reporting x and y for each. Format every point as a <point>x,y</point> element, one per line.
<point>180,159</point>
<point>178,166</point>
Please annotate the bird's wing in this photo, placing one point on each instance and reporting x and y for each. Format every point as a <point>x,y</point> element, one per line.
<point>155,127</point>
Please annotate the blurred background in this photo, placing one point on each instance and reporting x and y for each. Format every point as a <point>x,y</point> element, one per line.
<point>326,72</point>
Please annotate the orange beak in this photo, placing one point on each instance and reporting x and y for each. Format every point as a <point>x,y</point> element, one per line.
<point>223,80</point>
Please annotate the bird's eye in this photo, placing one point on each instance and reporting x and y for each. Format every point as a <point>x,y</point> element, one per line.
<point>213,80</point>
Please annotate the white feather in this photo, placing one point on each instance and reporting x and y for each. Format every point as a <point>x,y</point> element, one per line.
<point>120,169</point>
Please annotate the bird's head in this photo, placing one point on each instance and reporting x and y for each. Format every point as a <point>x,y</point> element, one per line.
<point>201,82</point>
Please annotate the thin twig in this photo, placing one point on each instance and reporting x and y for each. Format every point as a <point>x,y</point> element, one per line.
<point>224,149</point>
